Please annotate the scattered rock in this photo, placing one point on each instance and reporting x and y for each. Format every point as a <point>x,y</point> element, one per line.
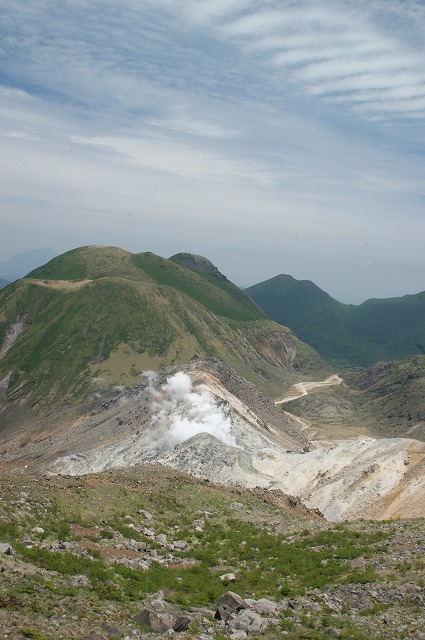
<point>180,545</point>
<point>6,548</point>
<point>159,617</point>
<point>248,621</point>
<point>263,606</point>
<point>110,630</point>
<point>228,577</point>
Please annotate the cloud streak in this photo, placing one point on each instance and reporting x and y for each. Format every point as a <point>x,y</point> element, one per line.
<point>330,49</point>
<point>289,131</point>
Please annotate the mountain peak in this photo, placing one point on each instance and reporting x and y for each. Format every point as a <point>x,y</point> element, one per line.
<point>199,264</point>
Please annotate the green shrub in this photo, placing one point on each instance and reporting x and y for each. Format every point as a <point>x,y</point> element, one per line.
<point>361,577</point>
<point>110,591</point>
<point>65,563</point>
<point>33,634</point>
<point>8,531</point>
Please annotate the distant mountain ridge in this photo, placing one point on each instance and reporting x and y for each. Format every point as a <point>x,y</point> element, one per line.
<point>346,335</point>
<point>95,317</point>
<point>22,263</point>
<point>4,283</point>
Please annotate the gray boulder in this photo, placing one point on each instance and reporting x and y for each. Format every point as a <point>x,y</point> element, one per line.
<point>228,604</point>
<point>180,545</point>
<point>159,617</point>
<point>228,577</point>
<point>248,621</point>
<point>161,539</point>
<point>6,548</point>
<point>263,607</point>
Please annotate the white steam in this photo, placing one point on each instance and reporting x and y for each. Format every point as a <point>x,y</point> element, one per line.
<point>183,413</point>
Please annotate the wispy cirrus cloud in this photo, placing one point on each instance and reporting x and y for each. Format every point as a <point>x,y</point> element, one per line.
<point>290,131</point>
<point>337,49</point>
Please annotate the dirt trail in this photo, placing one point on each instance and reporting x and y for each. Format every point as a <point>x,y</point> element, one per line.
<point>304,387</point>
<point>58,284</point>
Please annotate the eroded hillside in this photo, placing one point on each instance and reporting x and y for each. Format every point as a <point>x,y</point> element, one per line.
<point>205,420</point>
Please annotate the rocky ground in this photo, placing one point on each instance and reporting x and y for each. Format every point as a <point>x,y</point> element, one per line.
<point>149,550</point>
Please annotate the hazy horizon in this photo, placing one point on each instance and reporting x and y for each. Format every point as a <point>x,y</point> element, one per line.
<point>238,284</point>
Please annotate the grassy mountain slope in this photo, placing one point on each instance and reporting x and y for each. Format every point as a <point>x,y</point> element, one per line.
<point>346,335</point>
<point>98,316</point>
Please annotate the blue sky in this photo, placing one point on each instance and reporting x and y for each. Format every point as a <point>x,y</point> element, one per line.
<point>270,136</point>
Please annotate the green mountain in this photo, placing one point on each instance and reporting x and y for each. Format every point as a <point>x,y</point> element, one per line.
<point>346,335</point>
<point>99,316</point>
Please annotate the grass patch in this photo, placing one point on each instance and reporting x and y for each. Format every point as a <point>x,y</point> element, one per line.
<point>33,634</point>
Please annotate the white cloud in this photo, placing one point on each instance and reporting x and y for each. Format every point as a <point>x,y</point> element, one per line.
<point>193,126</point>
<point>327,48</point>
<point>229,128</point>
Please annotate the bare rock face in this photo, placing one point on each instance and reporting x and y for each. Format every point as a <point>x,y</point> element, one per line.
<point>13,332</point>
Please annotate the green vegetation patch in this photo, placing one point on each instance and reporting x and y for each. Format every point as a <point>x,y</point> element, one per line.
<point>220,297</point>
<point>68,266</point>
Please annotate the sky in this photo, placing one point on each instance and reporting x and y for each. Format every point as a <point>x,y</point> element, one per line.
<point>271,136</point>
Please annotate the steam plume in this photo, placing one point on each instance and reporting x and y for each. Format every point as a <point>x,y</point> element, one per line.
<point>184,413</point>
